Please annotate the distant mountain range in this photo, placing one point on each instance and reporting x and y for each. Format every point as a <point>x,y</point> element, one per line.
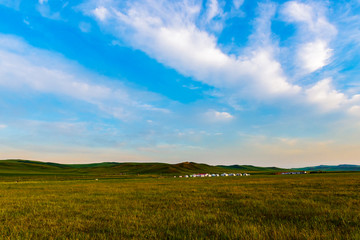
<point>342,167</point>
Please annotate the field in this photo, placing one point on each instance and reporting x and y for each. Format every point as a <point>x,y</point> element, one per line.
<point>313,206</point>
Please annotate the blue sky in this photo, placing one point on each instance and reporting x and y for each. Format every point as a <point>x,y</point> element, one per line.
<point>267,83</point>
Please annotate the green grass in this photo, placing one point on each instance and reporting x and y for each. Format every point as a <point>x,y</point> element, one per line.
<point>316,206</point>
<point>20,168</point>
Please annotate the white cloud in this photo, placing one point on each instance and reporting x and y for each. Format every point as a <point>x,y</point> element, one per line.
<point>215,116</point>
<point>168,32</point>
<point>238,3</point>
<point>312,16</point>
<point>2,126</point>
<point>23,67</point>
<point>315,35</point>
<point>314,55</point>
<point>26,22</point>
<point>85,27</point>
<point>101,13</point>
<point>11,3</point>
<point>261,36</point>
<point>354,110</point>
<point>298,12</point>
<point>223,116</point>
<point>313,51</point>
<point>213,9</point>
<point>324,95</point>
<point>46,12</point>
<point>328,99</point>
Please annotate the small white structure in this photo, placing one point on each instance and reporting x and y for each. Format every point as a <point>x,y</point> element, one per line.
<point>294,172</point>
<point>224,175</point>
<point>186,176</point>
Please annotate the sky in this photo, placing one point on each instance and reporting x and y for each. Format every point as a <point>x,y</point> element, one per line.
<point>265,83</point>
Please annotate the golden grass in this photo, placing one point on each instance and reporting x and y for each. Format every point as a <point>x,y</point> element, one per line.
<point>324,206</point>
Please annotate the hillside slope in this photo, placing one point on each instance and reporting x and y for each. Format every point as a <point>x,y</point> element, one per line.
<point>251,168</point>
<point>27,167</point>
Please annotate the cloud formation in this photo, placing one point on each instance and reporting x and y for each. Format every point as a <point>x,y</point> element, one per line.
<point>25,67</point>
<point>316,33</point>
<point>173,33</point>
<point>327,98</point>
<point>314,55</point>
<point>11,3</point>
<point>101,13</point>
<point>168,32</point>
<point>323,94</point>
<point>216,116</point>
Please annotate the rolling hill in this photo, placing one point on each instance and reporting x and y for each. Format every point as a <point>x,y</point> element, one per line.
<point>27,167</point>
<point>252,168</point>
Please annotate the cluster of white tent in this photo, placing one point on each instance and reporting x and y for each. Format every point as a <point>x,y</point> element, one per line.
<point>214,175</point>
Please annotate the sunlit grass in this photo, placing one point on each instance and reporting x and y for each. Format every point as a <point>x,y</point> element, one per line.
<point>323,206</point>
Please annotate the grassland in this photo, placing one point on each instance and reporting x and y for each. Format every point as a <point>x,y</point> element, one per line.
<point>25,169</point>
<point>314,206</point>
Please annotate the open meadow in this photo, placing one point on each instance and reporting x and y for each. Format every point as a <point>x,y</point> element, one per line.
<point>312,206</point>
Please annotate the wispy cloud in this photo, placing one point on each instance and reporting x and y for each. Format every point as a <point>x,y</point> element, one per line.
<point>173,34</point>
<point>314,55</point>
<point>323,94</point>
<point>101,13</point>
<point>25,67</point>
<point>11,3</point>
<point>216,116</point>
<point>168,32</point>
<point>316,34</point>
<point>327,98</point>
<point>213,9</point>
<point>238,3</point>
<point>85,27</point>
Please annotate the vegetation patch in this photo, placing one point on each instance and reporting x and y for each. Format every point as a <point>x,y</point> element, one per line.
<point>313,206</point>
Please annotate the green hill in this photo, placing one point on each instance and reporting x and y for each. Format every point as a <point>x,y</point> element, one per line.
<point>27,167</point>
<point>32,167</point>
<point>251,168</point>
